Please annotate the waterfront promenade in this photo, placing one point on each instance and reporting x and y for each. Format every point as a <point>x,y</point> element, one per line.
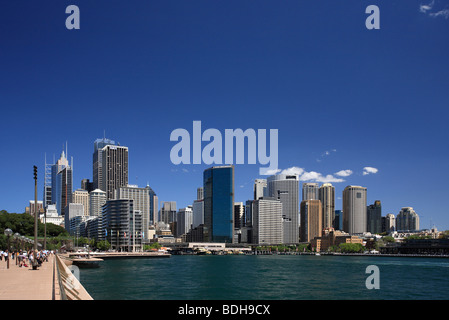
<point>27,284</point>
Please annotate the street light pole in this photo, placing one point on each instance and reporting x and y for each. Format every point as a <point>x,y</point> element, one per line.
<point>8,233</point>
<point>35,219</point>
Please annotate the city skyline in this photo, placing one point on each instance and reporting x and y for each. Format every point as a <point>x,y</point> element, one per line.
<point>352,106</point>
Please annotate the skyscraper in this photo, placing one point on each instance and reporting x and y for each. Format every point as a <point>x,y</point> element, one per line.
<point>407,220</point>
<point>168,212</point>
<point>267,221</point>
<point>390,222</point>
<point>141,197</point>
<point>154,202</point>
<point>311,220</point>
<point>219,204</point>
<point>184,221</point>
<point>114,169</point>
<point>82,196</point>
<point>286,189</point>
<point>61,183</point>
<point>239,211</point>
<point>121,225</point>
<point>354,209</point>
<point>326,194</point>
<point>99,144</point>
<point>260,188</point>
<point>97,198</point>
<point>374,217</point>
<point>310,191</point>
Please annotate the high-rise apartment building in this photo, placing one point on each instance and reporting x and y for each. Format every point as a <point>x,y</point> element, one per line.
<point>122,225</point>
<point>311,220</point>
<point>82,196</point>
<point>267,221</point>
<point>390,222</point>
<point>99,144</point>
<point>114,169</point>
<point>310,191</point>
<point>141,197</point>
<point>326,194</point>
<point>354,209</point>
<point>97,198</point>
<point>286,189</point>
<point>219,204</point>
<point>407,220</point>
<point>374,217</point>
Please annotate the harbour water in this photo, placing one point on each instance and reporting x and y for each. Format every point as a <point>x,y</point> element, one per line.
<point>268,277</point>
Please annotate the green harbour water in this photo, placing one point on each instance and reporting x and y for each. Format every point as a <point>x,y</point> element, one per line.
<point>267,277</point>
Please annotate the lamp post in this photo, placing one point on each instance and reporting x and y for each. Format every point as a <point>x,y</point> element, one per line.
<point>8,233</point>
<point>35,219</point>
<point>17,238</point>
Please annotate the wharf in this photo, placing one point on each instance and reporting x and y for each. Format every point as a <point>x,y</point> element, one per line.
<point>24,283</point>
<point>119,255</point>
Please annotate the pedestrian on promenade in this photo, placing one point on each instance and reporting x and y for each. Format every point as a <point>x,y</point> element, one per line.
<point>1,255</point>
<point>5,254</point>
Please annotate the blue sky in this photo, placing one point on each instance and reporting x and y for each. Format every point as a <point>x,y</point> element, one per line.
<point>342,97</point>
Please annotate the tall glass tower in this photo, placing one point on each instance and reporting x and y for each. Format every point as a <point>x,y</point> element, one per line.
<point>219,204</point>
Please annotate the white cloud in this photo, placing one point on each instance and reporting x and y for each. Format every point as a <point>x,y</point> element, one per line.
<point>293,170</point>
<point>325,154</point>
<point>269,172</point>
<point>368,170</point>
<point>344,173</point>
<point>444,13</point>
<point>426,7</point>
<point>311,176</point>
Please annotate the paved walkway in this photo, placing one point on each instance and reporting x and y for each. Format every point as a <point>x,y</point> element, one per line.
<point>25,283</point>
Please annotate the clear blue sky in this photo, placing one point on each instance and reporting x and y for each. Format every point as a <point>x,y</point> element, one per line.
<point>342,97</point>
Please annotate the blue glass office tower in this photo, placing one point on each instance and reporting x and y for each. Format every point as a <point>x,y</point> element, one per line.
<point>219,204</point>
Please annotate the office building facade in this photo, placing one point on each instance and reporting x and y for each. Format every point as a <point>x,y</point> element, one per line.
<point>267,228</point>
<point>97,164</point>
<point>354,209</point>
<point>310,191</point>
<point>286,189</point>
<point>114,169</point>
<point>326,195</point>
<point>374,217</point>
<point>311,220</point>
<point>218,186</point>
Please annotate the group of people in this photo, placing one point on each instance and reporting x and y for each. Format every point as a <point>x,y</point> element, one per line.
<point>26,258</point>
